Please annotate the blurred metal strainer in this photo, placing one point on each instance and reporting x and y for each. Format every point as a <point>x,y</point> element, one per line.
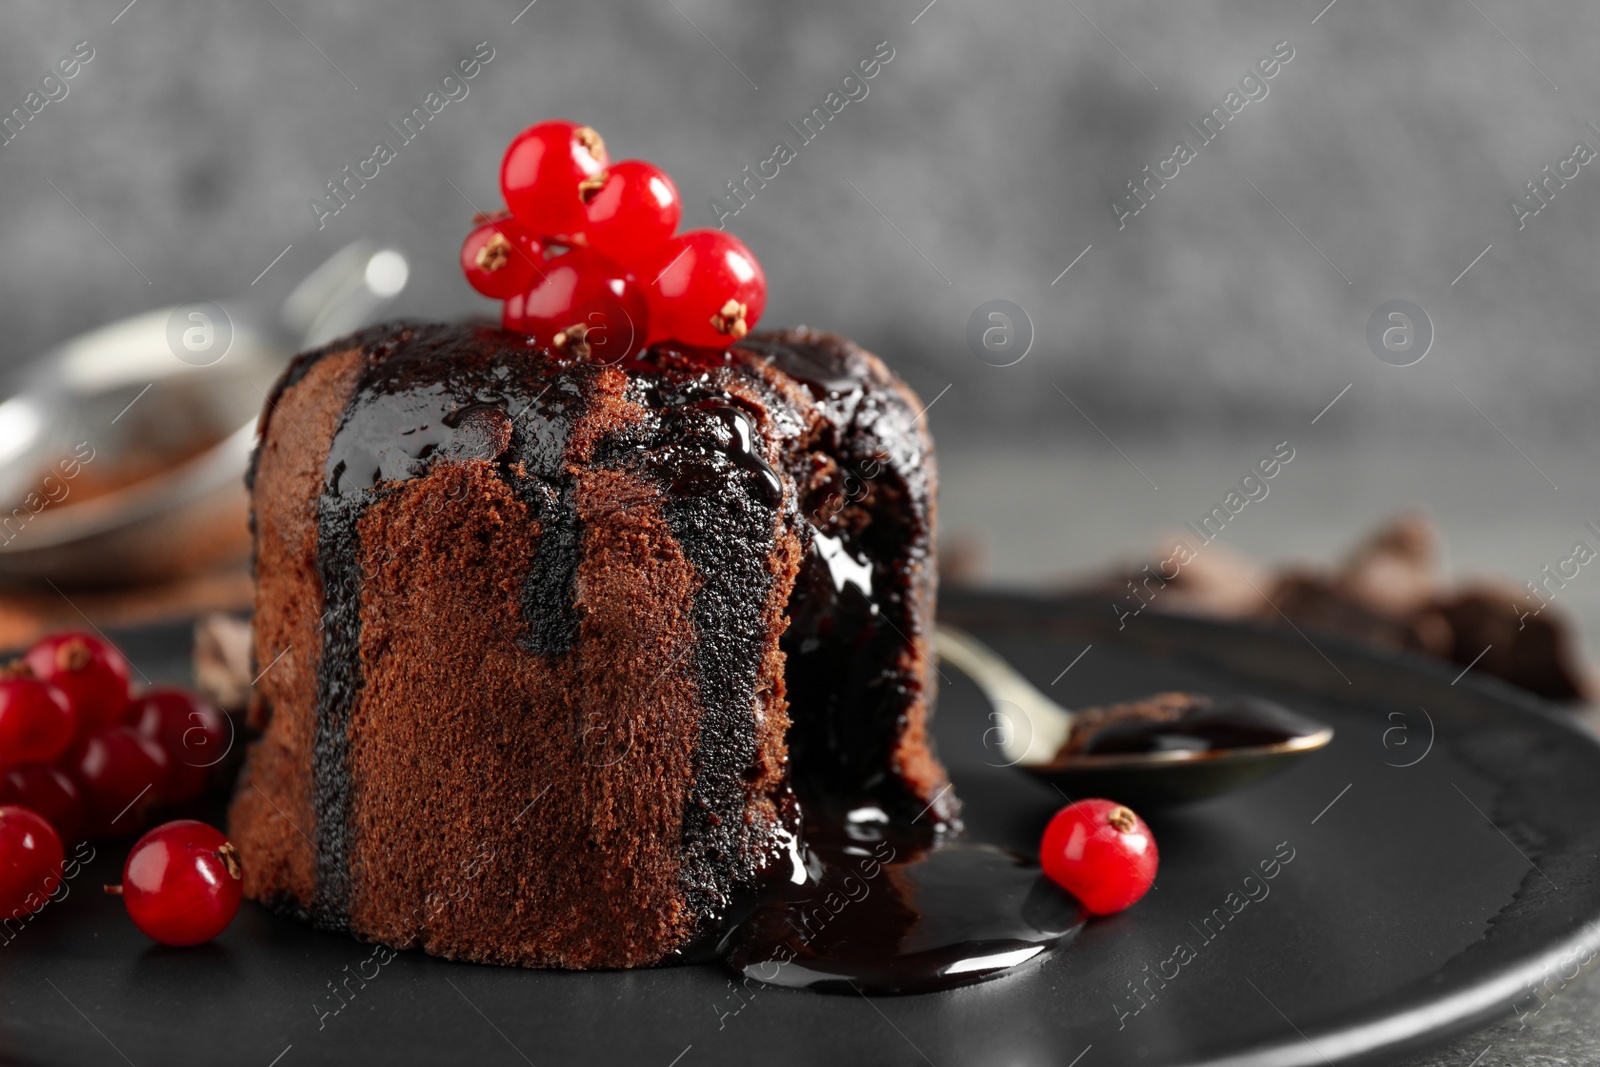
<point>123,451</point>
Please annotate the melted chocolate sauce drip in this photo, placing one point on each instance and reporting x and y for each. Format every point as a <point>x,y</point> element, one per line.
<point>881,915</point>
<point>456,394</point>
<point>744,450</point>
<point>338,683</point>
<point>428,394</point>
<point>820,372</point>
<point>877,911</point>
<point>543,423</point>
<point>850,613</point>
<point>842,672</point>
<point>723,503</point>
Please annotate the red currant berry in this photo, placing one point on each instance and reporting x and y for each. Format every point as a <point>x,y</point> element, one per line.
<point>541,173</point>
<point>501,258</point>
<point>30,861</point>
<point>181,884</point>
<point>632,208</point>
<point>1101,853</point>
<point>587,306</point>
<point>47,792</point>
<point>706,289</point>
<point>121,774</point>
<point>90,670</point>
<point>194,735</point>
<point>37,722</point>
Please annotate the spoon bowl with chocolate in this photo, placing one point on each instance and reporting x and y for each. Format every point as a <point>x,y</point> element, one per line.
<point>1169,748</point>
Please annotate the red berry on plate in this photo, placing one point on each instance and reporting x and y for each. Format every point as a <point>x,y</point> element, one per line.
<point>121,774</point>
<point>193,733</point>
<point>542,171</point>
<point>501,258</point>
<point>1101,853</point>
<point>705,289</point>
<point>37,722</point>
<point>632,208</point>
<point>90,670</point>
<point>182,883</point>
<point>30,861</point>
<point>47,792</point>
<point>587,306</point>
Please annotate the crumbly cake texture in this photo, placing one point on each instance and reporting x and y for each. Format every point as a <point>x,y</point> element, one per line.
<point>537,629</point>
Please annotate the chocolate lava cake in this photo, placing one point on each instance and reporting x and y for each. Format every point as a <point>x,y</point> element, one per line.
<point>556,653</point>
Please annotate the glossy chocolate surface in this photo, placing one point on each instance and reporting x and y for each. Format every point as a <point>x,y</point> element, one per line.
<point>1238,722</point>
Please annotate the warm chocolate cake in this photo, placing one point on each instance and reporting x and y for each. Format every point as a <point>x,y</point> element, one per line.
<point>551,648</point>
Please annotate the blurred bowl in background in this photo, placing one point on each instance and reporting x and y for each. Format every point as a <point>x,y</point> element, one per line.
<point>123,451</point>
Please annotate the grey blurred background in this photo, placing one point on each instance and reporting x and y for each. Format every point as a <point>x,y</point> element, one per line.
<point>984,160</point>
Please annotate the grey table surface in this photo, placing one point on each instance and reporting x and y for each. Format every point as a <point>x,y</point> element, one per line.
<point>1041,515</point>
<point>1566,1030</point>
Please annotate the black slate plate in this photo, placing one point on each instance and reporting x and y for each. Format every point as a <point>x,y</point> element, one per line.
<point>1444,864</point>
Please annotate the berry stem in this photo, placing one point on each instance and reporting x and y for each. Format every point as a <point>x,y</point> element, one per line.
<point>74,655</point>
<point>229,855</point>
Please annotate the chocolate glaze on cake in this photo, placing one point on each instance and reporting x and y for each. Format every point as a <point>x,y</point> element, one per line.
<point>535,630</point>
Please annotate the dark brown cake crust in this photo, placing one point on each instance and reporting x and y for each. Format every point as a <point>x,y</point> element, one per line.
<point>527,701</point>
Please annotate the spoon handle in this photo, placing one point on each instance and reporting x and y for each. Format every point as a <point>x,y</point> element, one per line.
<point>343,293</point>
<point>1044,724</point>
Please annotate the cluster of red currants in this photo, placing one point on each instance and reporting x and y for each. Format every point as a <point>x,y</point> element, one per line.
<point>81,756</point>
<point>586,261</point>
<point>78,748</point>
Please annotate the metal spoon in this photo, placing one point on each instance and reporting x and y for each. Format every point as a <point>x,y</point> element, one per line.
<point>1032,729</point>
<point>123,450</point>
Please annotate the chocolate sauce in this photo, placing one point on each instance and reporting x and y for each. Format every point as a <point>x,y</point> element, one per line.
<point>823,375</point>
<point>878,914</point>
<point>849,618</point>
<point>724,505</point>
<point>425,395</point>
<point>1240,722</point>
<point>744,449</point>
<point>339,681</point>
<point>855,602</point>
<point>844,568</point>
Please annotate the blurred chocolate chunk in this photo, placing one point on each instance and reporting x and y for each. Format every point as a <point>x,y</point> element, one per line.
<point>1313,602</point>
<point>222,660</point>
<point>1540,652</point>
<point>1388,593</point>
